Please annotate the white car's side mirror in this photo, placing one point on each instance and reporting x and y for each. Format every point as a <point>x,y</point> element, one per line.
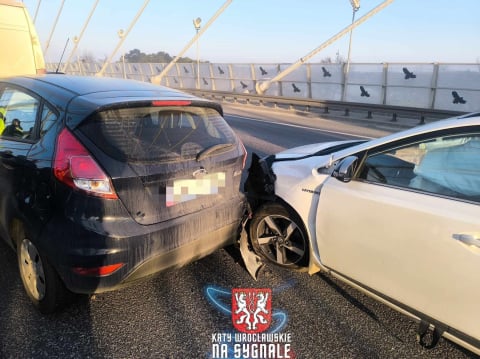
<point>345,169</point>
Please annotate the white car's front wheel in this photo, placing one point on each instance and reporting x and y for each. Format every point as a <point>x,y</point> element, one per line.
<point>277,235</point>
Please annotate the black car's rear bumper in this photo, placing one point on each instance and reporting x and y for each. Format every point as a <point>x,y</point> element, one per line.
<point>143,250</point>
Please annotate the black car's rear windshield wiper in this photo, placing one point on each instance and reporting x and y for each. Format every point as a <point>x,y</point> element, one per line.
<point>205,152</point>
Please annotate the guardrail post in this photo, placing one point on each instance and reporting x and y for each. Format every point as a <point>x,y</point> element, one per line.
<point>309,80</point>
<point>254,78</point>
<point>394,117</point>
<point>344,81</point>
<point>232,80</point>
<point>280,84</point>
<point>434,85</point>
<point>212,77</point>
<point>422,119</point>
<point>385,83</point>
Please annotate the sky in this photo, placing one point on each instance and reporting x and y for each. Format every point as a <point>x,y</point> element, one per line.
<point>265,31</point>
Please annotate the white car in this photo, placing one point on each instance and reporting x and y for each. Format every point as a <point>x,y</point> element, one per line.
<point>397,217</point>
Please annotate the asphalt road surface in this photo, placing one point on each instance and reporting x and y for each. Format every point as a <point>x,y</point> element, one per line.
<point>178,314</point>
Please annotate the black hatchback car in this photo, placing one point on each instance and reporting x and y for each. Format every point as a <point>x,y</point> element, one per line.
<point>104,181</point>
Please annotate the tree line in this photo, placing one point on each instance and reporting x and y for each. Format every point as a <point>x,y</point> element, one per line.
<point>162,57</point>
<point>137,56</point>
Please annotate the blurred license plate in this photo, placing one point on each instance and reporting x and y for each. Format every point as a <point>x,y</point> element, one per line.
<point>184,190</point>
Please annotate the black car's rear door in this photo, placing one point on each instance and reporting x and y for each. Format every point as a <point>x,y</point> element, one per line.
<point>17,107</point>
<point>25,157</point>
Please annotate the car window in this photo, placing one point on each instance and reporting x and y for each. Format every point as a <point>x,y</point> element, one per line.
<point>20,112</point>
<point>447,165</point>
<point>158,134</point>
<point>48,119</point>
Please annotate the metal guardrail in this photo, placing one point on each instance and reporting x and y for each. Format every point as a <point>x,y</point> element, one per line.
<point>415,91</point>
<point>327,106</point>
<point>449,87</point>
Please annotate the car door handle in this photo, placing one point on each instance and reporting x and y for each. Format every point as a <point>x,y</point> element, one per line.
<point>467,239</point>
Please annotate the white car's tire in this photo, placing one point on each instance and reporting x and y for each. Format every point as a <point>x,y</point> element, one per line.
<point>277,235</point>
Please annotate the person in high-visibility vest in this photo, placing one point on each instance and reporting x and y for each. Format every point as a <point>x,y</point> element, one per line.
<point>2,119</point>
<point>14,129</point>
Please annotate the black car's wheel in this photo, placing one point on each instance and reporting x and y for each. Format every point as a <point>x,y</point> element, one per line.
<point>39,278</point>
<point>277,234</point>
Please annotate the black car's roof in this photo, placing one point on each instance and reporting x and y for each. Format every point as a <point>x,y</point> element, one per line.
<point>82,85</point>
<point>82,95</point>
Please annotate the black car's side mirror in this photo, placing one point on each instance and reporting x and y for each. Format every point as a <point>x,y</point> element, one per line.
<point>345,169</point>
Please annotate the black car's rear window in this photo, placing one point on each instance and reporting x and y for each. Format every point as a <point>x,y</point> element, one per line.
<point>158,133</point>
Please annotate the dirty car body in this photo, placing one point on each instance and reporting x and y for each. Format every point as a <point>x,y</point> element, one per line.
<point>113,180</point>
<point>396,217</point>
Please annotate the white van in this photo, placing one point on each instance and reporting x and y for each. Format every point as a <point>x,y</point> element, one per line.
<point>20,45</point>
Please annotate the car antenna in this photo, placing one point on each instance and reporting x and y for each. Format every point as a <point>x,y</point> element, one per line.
<point>61,57</point>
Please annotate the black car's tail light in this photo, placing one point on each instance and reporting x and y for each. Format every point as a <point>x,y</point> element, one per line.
<point>75,167</point>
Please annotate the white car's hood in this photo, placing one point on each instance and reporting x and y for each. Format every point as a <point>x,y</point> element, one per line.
<point>307,149</point>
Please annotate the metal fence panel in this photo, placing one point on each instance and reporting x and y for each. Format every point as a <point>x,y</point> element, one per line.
<point>465,100</point>
<point>453,87</point>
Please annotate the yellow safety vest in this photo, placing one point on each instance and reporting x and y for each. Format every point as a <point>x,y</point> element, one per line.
<point>2,119</point>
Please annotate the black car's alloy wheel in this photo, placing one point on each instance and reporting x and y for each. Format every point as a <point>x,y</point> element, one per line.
<point>277,234</point>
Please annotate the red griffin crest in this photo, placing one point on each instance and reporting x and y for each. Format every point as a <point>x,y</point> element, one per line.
<point>251,309</point>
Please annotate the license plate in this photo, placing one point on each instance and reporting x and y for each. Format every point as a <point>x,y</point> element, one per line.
<point>184,190</point>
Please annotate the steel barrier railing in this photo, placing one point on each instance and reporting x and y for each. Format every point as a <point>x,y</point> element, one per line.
<point>449,87</point>
<point>431,89</point>
<point>327,106</point>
